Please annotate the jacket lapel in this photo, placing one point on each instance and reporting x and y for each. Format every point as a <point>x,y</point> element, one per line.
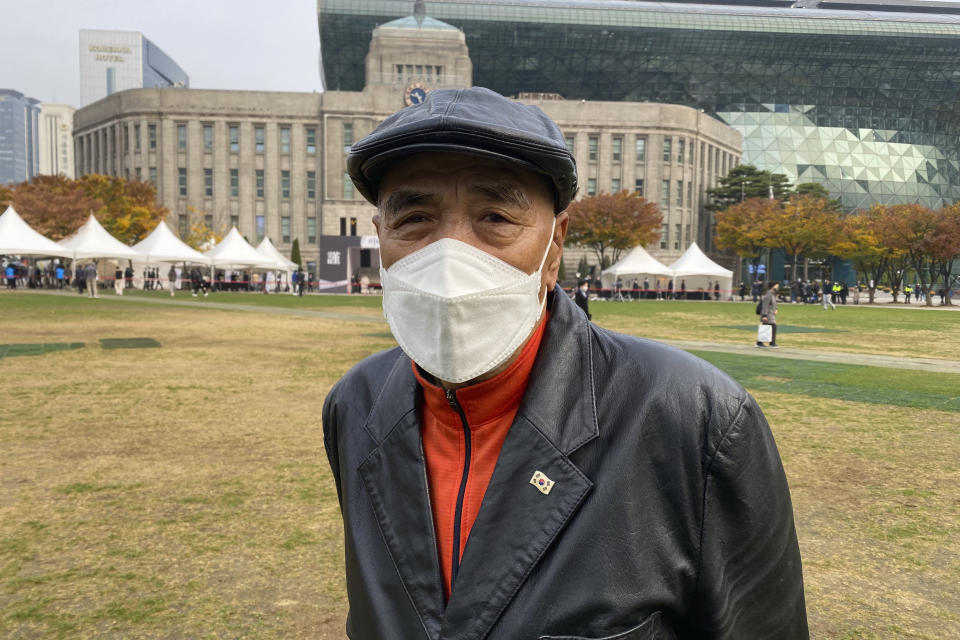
<point>394,476</point>
<point>517,522</point>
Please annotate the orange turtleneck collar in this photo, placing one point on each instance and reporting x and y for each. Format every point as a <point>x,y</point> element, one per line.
<point>489,408</point>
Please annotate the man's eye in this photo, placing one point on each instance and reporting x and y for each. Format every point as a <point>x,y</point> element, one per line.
<point>411,218</point>
<point>493,216</point>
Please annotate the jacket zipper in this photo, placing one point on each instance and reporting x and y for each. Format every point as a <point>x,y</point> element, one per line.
<point>458,514</point>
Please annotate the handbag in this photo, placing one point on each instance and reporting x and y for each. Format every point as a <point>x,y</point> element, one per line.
<point>764,333</point>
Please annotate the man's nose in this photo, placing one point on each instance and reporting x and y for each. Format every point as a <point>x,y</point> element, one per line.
<point>457,226</point>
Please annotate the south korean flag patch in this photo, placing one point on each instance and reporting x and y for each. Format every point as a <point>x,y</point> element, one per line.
<point>542,482</point>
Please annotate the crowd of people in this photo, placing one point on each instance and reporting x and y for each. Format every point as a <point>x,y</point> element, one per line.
<point>58,274</point>
<point>661,289</point>
<point>808,292</point>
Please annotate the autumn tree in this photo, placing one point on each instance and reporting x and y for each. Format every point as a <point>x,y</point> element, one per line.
<point>129,209</point>
<point>804,225</point>
<point>744,182</point>
<point>57,206</point>
<point>613,222</point>
<point>892,226</point>
<point>742,227</point>
<point>202,232</point>
<point>917,224</point>
<point>817,190</point>
<point>942,245</point>
<point>6,196</point>
<point>858,241</point>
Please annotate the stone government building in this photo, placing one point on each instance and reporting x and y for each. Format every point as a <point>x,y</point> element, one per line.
<point>274,164</point>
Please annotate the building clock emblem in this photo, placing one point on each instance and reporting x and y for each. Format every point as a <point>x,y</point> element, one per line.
<point>414,94</point>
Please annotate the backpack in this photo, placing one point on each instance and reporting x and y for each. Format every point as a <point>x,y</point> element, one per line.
<point>759,307</point>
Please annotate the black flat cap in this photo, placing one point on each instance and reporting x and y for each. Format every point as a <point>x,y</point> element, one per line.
<point>474,121</point>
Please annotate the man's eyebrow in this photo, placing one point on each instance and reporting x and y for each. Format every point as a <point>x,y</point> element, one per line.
<point>401,198</point>
<point>501,192</point>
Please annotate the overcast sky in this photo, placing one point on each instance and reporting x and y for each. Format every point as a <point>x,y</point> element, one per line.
<point>268,45</point>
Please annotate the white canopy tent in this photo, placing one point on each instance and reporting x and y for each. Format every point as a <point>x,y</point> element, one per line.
<point>162,246</point>
<point>235,252</point>
<point>283,264</point>
<point>636,264</point>
<point>267,249</point>
<point>697,271</point>
<point>92,241</point>
<point>18,239</point>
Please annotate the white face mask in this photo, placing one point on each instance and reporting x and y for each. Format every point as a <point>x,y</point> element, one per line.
<point>459,312</point>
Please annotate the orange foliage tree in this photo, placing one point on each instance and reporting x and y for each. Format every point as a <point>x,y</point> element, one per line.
<point>742,227</point>
<point>859,242</point>
<point>942,246</point>
<point>53,205</point>
<point>804,225</point>
<point>6,195</point>
<point>613,222</point>
<point>200,235</point>
<point>129,209</point>
<point>893,227</point>
<point>57,206</point>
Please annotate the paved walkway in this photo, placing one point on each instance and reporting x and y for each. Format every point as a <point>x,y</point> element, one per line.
<point>816,355</point>
<point>840,357</point>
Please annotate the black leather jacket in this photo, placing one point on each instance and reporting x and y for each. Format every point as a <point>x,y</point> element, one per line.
<point>670,516</point>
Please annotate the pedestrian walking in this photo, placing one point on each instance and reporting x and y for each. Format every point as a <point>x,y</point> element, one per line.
<point>582,297</point>
<point>827,296</point>
<point>768,315</point>
<point>90,277</point>
<point>118,281</point>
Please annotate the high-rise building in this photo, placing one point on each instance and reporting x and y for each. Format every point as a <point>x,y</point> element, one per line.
<point>112,61</point>
<point>56,139</point>
<point>860,96</point>
<point>19,144</point>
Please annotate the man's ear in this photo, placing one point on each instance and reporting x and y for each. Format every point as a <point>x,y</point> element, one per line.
<point>552,268</point>
<point>560,229</point>
<point>376,222</point>
<point>559,235</point>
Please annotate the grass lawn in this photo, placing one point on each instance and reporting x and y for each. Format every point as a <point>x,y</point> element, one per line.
<point>897,330</point>
<point>163,473</point>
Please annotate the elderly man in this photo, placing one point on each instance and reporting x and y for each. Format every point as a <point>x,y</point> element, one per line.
<point>511,470</point>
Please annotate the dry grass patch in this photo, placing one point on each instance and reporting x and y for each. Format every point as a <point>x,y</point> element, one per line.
<point>174,492</point>
<point>183,491</point>
<point>875,492</point>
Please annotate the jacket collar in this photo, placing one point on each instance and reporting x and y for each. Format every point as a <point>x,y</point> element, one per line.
<point>517,523</point>
<point>561,399</point>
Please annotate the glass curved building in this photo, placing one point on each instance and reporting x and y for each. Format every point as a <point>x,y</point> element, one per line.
<point>864,102</point>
